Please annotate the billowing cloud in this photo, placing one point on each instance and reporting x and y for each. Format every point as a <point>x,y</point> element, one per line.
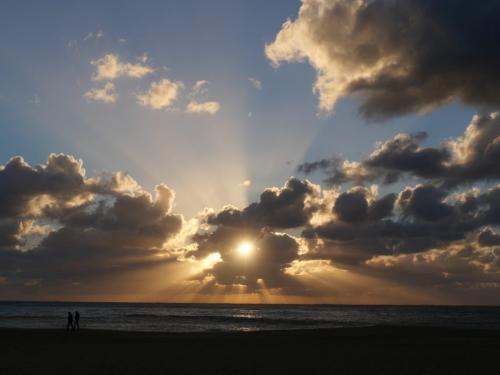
<point>161,94</point>
<point>64,230</point>
<point>397,56</point>
<point>290,206</point>
<point>470,158</point>
<point>106,93</point>
<point>110,67</point>
<point>467,270</point>
<point>258,224</point>
<point>271,254</point>
<point>352,231</point>
<point>416,220</point>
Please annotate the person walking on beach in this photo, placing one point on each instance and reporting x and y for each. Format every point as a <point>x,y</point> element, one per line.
<point>70,322</point>
<point>76,326</point>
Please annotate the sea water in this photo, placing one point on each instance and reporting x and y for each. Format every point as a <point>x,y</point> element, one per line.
<point>160,317</point>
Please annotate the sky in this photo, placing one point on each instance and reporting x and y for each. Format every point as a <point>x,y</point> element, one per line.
<point>315,151</point>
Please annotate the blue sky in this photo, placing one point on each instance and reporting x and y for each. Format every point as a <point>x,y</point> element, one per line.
<point>260,135</point>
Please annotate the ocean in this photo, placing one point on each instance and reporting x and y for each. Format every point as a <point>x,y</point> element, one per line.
<point>160,317</point>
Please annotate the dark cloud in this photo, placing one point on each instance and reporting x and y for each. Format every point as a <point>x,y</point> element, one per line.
<point>466,271</point>
<point>404,154</point>
<point>290,206</point>
<point>488,238</point>
<point>24,189</point>
<point>397,56</point>
<point>357,205</point>
<point>91,236</point>
<point>271,253</point>
<point>424,203</point>
<point>351,206</point>
<point>463,160</point>
<point>60,230</point>
<point>352,228</point>
<point>418,219</point>
<point>382,207</point>
<point>285,207</point>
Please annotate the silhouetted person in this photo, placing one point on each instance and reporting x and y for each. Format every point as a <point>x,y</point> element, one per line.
<point>70,322</point>
<point>77,321</point>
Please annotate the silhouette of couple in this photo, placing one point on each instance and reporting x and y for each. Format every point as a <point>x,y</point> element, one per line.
<point>73,324</point>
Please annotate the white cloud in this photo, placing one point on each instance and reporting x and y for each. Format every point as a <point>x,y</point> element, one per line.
<point>73,44</point>
<point>255,83</point>
<point>199,88</point>
<point>97,35</point>
<point>35,100</point>
<point>204,107</point>
<point>110,67</point>
<point>246,183</point>
<point>143,58</point>
<point>161,94</point>
<point>198,103</point>
<point>106,94</point>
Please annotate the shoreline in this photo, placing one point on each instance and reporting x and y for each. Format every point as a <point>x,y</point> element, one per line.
<point>335,331</point>
<point>410,305</point>
<point>371,350</point>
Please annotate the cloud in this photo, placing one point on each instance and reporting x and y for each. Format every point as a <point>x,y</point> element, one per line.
<point>200,87</point>
<point>255,83</point>
<point>35,100</point>
<point>198,103</point>
<point>424,203</point>
<point>357,230</point>
<point>466,270</point>
<point>470,158</point>
<point>418,219</point>
<point>110,67</point>
<point>204,107</point>
<point>106,93</point>
<point>25,191</point>
<point>82,230</point>
<point>246,183</point>
<point>97,35</point>
<point>290,206</point>
<point>272,253</point>
<point>278,208</point>
<point>64,232</point>
<point>398,57</point>
<point>161,94</point>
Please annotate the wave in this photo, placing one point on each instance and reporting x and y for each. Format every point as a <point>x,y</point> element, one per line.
<point>32,317</point>
<point>233,319</point>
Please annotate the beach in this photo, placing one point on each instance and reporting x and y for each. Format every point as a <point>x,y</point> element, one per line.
<point>368,350</point>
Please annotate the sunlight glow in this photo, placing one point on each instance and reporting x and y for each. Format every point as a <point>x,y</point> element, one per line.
<point>245,249</point>
<point>211,260</point>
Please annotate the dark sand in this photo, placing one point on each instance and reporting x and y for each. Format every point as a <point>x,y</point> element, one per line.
<point>378,350</point>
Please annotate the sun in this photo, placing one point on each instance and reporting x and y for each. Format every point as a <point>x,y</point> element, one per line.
<point>245,249</point>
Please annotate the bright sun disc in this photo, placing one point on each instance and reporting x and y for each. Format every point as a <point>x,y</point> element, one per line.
<point>245,248</point>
